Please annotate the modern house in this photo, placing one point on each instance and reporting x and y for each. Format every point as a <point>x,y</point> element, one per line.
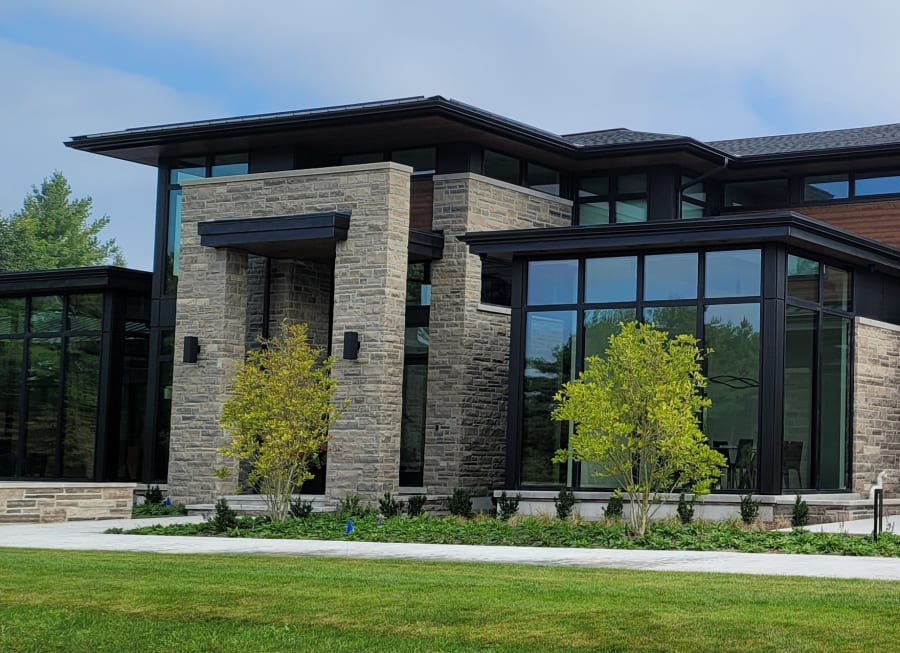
<point>461,265</point>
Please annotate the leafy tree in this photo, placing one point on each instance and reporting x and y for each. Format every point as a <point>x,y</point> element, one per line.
<point>636,418</point>
<point>53,231</point>
<point>279,415</point>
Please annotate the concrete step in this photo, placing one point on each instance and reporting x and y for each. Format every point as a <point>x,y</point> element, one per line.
<point>250,504</point>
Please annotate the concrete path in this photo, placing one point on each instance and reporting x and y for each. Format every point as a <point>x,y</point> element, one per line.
<point>90,536</point>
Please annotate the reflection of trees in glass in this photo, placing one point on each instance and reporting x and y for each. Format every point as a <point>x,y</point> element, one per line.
<point>599,325</point>
<point>676,320</point>
<point>80,416</point>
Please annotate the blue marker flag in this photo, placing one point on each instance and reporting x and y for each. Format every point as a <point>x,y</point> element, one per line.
<point>349,526</point>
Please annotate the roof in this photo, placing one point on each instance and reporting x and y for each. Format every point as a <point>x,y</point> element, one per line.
<point>618,136</point>
<point>860,137</point>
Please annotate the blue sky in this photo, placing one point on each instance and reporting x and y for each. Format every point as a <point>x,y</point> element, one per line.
<point>708,69</point>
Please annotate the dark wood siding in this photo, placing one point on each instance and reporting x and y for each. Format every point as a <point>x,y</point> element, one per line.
<point>421,204</point>
<point>878,220</point>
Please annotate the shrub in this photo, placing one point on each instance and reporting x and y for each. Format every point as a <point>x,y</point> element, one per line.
<point>153,495</point>
<point>749,509</point>
<point>565,503</point>
<point>800,514</point>
<point>415,505</point>
<point>389,506</point>
<point>224,518</point>
<point>615,508</point>
<point>685,509</point>
<point>507,506</point>
<point>460,503</point>
<point>301,509</point>
<point>352,506</point>
<point>158,510</point>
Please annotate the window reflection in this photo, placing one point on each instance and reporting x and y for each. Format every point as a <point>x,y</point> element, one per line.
<point>552,282</point>
<point>670,276</point>
<point>799,383</point>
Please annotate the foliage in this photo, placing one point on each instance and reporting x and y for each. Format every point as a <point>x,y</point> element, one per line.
<point>352,506</point>
<point>415,505</point>
<point>564,503</point>
<point>615,507</point>
<point>300,509</point>
<point>53,231</point>
<point>389,507</point>
<point>224,519</point>
<point>749,509</point>
<point>460,503</point>
<point>636,417</point>
<point>279,414</point>
<point>507,506</point>
<point>153,495</point>
<point>158,510</point>
<point>800,513</point>
<point>685,509</point>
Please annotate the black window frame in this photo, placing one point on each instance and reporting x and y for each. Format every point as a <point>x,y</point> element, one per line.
<point>613,196</point>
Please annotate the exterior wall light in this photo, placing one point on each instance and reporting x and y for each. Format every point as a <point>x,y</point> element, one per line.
<point>191,349</point>
<point>351,345</point>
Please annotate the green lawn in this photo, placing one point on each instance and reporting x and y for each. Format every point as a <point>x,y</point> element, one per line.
<point>118,602</point>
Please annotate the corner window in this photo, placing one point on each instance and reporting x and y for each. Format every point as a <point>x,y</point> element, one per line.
<point>693,199</point>
<point>543,179</point>
<point>610,199</point>
<point>501,166</point>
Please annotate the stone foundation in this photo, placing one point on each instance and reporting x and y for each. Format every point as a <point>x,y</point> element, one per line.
<point>42,502</point>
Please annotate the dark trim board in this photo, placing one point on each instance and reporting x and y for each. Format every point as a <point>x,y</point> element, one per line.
<point>425,246</point>
<point>311,235</point>
<point>98,278</point>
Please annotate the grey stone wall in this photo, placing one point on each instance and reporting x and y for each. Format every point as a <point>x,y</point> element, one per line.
<point>876,405</point>
<point>465,431</point>
<point>369,289</point>
<point>48,501</point>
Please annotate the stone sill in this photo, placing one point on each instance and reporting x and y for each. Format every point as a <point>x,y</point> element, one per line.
<point>453,176</point>
<point>844,499</point>
<point>306,172</point>
<point>494,308</point>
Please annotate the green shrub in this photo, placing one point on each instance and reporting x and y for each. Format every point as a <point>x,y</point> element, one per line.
<point>389,506</point>
<point>415,505</point>
<point>749,509</point>
<point>300,509</point>
<point>460,503</point>
<point>565,503</point>
<point>685,509</point>
<point>352,506</point>
<point>507,506</point>
<point>158,510</point>
<point>224,518</point>
<point>615,508</point>
<point>800,514</point>
<point>153,495</point>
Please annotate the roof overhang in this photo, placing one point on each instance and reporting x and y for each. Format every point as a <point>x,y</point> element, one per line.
<point>310,236</point>
<point>786,227</point>
<point>91,279</point>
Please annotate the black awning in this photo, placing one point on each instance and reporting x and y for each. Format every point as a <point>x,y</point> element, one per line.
<point>310,235</point>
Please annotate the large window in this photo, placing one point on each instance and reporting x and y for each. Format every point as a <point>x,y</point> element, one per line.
<point>842,186</point>
<point>415,375</point>
<point>522,173</point>
<point>612,199</point>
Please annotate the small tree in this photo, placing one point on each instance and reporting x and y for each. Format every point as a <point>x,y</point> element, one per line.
<point>636,418</point>
<point>279,414</point>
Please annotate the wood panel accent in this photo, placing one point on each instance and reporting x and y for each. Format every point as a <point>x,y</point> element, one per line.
<point>421,204</point>
<point>877,220</point>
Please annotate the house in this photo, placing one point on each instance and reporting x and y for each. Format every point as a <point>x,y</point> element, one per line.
<point>461,265</point>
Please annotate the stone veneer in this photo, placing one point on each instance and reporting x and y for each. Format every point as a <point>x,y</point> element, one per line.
<point>876,405</point>
<point>369,297</point>
<point>47,501</point>
<point>465,431</point>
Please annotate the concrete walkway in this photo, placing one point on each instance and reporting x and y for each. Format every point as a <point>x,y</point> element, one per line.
<point>90,536</point>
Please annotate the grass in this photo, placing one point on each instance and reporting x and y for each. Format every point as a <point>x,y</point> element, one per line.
<point>120,602</point>
<point>531,531</point>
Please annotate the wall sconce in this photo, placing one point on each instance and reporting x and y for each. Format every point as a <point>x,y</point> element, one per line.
<point>351,345</point>
<point>191,349</point>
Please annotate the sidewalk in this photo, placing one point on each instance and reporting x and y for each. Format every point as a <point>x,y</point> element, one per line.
<point>89,536</point>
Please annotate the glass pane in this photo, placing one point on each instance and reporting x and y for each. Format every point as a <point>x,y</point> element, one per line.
<point>359,159</point>
<point>696,192</point>
<point>496,282</point>
<point>12,315</point>
<point>824,188</point>
<point>732,422</point>
<point>163,423</point>
<point>610,280</point>
<point>129,455</point>
<point>690,211</point>
<point>552,282</point>
<point>589,186</point>
<point>631,211</point>
<point>600,324</point>
<point>85,312</point>
<point>231,164</point>
<point>80,407</point>
<point>10,395</point>
<point>549,362</point>
<point>418,284</point>
<point>733,273</point>
<point>628,184</point>
<point>542,179</point>
<point>835,367</point>
<point>422,160</point>
<point>770,192</point>
<point>412,425</point>
<point>593,213</point>
<point>43,398</point>
<point>173,242</point>
<point>880,184</point>
<point>803,278</point>
<point>500,166</point>
<point>799,383</point>
<point>674,319</point>
<point>190,168</point>
<point>415,340</point>
<point>46,313</point>
<point>670,276</point>
<point>836,288</point>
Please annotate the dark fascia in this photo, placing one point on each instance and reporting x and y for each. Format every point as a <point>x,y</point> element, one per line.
<point>368,112</point>
<point>97,278</point>
<point>237,232</point>
<point>783,226</point>
<point>813,156</point>
<point>425,246</point>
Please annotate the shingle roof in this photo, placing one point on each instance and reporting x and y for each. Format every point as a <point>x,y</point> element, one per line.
<point>812,141</point>
<point>617,136</point>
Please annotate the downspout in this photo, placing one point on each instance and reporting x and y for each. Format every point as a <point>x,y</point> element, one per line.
<point>706,175</point>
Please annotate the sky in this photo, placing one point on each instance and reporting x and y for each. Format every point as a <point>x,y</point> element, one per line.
<point>708,69</point>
